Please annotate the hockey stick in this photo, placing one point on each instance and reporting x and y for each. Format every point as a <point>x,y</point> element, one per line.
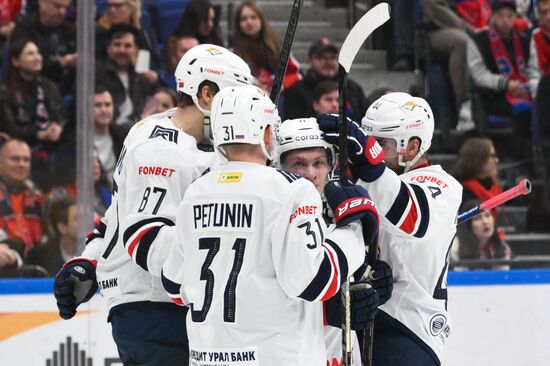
<point>373,19</point>
<point>522,188</point>
<point>285,51</point>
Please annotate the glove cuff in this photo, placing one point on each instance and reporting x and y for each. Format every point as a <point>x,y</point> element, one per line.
<point>346,210</point>
<point>93,262</point>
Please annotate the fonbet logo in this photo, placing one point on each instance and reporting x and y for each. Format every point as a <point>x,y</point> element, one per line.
<point>213,71</point>
<point>416,124</point>
<point>230,177</point>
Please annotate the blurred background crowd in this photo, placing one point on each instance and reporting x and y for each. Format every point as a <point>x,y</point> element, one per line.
<point>483,65</point>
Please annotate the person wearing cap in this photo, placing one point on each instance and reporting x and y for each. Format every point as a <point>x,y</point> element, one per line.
<point>540,42</point>
<point>323,60</point>
<point>500,65</point>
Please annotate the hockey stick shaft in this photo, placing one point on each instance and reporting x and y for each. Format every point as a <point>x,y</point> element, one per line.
<point>522,188</point>
<point>285,51</point>
<point>373,19</point>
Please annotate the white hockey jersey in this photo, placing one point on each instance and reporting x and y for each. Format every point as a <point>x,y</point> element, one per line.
<point>418,213</point>
<point>253,260</point>
<point>157,164</point>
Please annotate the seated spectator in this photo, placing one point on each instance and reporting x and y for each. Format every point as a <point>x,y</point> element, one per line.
<point>9,10</point>
<point>448,34</point>
<point>62,242</point>
<point>125,12</point>
<point>174,49</point>
<point>163,100</point>
<point>20,202</point>
<point>260,47</point>
<point>498,60</point>
<point>476,168</point>
<point>323,59</point>
<point>540,40</point>
<point>128,88</point>
<point>199,20</point>
<point>11,255</point>
<point>56,40</point>
<point>32,108</point>
<point>108,136</point>
<point>478,238</point>
<point>325,97</point>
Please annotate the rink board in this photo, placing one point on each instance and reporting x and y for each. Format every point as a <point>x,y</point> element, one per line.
<point>499,318</point>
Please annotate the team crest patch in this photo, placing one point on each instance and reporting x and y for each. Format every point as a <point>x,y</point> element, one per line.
<point>438,323</point>
<point>410,105</point>
<point>230,177</point>
<point>166,133</point>
<point>214,51</point>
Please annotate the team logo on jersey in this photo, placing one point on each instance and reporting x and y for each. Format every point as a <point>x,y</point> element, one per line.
<point>230,177</point>
<point>166,133</point>
<point>438,324</point>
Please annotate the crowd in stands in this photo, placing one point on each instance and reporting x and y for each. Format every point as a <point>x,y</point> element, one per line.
<point>494,51</point>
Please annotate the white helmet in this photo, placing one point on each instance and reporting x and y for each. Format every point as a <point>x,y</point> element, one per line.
<point>212,63</point>
<point>400,116</point>
<point>300,133</point>
<point>240,115</point>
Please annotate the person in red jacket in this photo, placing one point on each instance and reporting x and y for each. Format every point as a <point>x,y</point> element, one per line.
<point>20,202</point>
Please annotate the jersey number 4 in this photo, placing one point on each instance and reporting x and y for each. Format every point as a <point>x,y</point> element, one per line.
<point>229,296</point>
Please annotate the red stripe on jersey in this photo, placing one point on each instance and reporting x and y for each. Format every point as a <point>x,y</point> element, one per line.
<point>136,240</point>
<point>409,223</point>
<point>334,285</point>
<point>178,301</point>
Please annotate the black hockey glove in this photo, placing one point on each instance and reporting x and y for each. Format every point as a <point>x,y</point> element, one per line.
<point>366,156</point>
<point>364,303</point>
<point>349,203</point>
<point>74,284</point>
<point>381,278</point>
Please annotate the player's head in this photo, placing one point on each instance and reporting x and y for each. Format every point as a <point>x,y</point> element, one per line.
<point>206,69</point>
<point>404,126</point>
<point>302,150</point>
<point>243,115</point>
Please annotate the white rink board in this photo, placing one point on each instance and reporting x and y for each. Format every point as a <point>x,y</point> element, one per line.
<point>498,319</point>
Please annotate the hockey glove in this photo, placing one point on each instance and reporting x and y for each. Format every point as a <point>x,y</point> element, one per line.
<point>365,154</point>
<point>381,278</point>
<point>350,203</point>
<point>74,284</point>
<point>364,304</point>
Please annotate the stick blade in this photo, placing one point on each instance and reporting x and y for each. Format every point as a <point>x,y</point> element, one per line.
<point>369,22</point>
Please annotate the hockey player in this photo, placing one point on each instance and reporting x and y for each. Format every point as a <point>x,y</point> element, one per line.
<point>160,158</point>
<point>301,150</point>
<point>418,204</point>
<point>252,258</point>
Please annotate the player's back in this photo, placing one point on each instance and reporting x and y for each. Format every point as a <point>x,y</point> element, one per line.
<point>242,279</point>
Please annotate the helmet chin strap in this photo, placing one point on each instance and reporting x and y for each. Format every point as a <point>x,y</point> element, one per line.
<point>410,163</point>
<point>206,121</point>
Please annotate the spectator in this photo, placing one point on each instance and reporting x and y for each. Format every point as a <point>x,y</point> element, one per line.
<point>476,168</point>
<point>541,43</point>
<point>163,100</point>
<point>125,12</point>
<point>256,42</point>
<point>448,34</point>
<point>498,59</point>
<point>174,49</point>
<point>403,31</point>
<point>199,20</point>
<point>325,97</point>
<point>20,202</point>
<point>62,242</point>
<point>32,107</point>
<point>56,40</point>
<point>11,255</point>
<point>324,66</point>
<point>9,10</point>
<point>108,136</point>
<point>478,238</point>
<point>474,12</point>
<point>128,88</point>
